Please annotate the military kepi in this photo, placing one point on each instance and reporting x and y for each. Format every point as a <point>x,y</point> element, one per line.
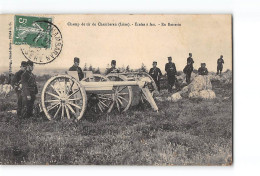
<point>113,62</point>
<point>76,59</point>
<point>30,63</point>
<point>23,63</point>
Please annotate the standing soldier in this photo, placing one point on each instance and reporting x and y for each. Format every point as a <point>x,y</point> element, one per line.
<point>113,68</point>
<point>203,70</point>
<point>220,63</point>
<point>190,60</point>
<point>188,68</point>
<point>171,72</point>
<point>16,83</point>
<point>156,74</point>
<point>29,90</point>
<point>76,67</point>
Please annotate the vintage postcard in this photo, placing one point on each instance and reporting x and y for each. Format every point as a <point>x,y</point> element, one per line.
<point>116,90</point>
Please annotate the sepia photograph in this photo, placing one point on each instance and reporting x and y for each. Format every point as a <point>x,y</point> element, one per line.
<point>138,90</point>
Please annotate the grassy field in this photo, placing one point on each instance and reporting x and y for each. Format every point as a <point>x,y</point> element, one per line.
<point>189,132</point>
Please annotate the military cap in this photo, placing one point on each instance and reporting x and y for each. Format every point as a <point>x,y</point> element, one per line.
<point>203,63</point>
<point>23,63</point>
<point>169,57</point>
<point>113,62</point>
<point>154,62</point>
<point>76,59</point>
<point>29,63</point>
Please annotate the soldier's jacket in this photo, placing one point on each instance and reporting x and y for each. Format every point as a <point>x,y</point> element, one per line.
<point>112,70</point>
<point>79,70</point>
<point>155,73</point>
<point>170,68</point>
<point>188,69</point>
<point>29,86</point>
<point>16,81</point>
<point>203,71</point>
<point>190,60</point>
<point>220,62</point>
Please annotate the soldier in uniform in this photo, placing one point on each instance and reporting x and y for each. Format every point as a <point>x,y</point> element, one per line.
<point>29,90</point>
<point>171,72</point>
<point>16,84</point>
<point>156,74</point>
<point>203,70</point>
<point>188,68</point>
<point>190,60</point>
<point>220,63</point>
<point>76,67</point>
<point>113,68</point>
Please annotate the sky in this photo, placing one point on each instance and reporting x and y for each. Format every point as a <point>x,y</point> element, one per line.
<point>205,36</point>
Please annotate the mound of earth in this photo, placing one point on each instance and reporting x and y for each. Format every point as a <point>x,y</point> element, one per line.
<point>200,87</point>
<point>225,78</point>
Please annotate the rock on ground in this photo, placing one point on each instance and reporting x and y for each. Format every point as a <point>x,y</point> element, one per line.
<point>194,94</point>
<point>200,83</point>
<point>207,94</point>
<point>175,97</point>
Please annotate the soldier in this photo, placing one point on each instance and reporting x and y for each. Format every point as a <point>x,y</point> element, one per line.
<point>29,90</point>
<point>171,72</point>
<point>16,83</point>
<point>190,60</point>
<point>203,70</point>
<point>113,68</point>
<point>156,74</point>
<point>76,67</point>
<point>220,63</point>
<point>188,68</point>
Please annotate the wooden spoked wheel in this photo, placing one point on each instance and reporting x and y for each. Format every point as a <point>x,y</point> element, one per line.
<point>101,102</point>
<point>122,95</point>
<point>63,97</point>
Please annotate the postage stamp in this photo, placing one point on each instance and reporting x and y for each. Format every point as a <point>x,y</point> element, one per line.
<point>32,31</point>
<point>40,40</point>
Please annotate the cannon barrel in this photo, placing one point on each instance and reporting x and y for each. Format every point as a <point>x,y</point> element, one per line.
<point>103,86</point>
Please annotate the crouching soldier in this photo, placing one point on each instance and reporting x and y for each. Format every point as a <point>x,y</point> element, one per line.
<point>203,70</point>
<point>16,83</point>
<point>156,74</point>
<point>29,90</point>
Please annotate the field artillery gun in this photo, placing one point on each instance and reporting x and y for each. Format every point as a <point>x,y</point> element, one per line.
<point>64,96</point>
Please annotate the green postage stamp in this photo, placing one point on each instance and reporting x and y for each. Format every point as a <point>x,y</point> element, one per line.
<point>39,39</point>
<point>32,31</point>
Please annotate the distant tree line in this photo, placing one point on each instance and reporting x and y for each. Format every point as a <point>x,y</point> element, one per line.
<point>90,68</point>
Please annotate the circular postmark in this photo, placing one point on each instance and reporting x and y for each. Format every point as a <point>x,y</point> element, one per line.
<point>49,44</point>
